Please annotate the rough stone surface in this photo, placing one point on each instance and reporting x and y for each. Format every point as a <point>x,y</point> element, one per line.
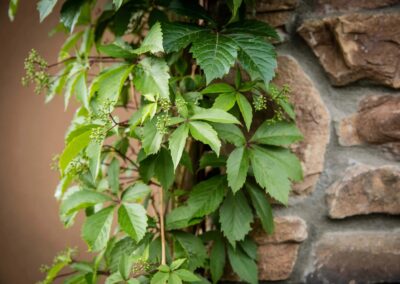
<point>276,19</point>
<point>357,46</point>
<point>357,257</point>
<point>313,121</point>
<point>376,122</point>
<point>277,253</point>
<point>327,6</point>
<point>365,190</point>
<point>287,229</point>
<point>263,6</point>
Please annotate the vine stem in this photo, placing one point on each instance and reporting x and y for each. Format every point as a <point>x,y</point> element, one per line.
<point>163,260</point>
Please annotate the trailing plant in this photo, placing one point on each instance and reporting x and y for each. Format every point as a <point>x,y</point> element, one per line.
<point>163,156</point>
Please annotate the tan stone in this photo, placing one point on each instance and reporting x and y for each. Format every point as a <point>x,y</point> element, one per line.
<point>326,6</point>
<point>358,256</point>
<point>376,122</point>
<point>276,19</point>
<point>357,46</point>
<point>312,118</point>
<point>365,190</point>
<point>275,5</point>
<point>287,229</point>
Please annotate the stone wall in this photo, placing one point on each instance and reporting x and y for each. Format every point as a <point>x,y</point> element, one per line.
<point>341,59</point>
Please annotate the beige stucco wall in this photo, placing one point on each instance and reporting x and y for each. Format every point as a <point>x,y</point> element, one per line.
<point>31,133</point>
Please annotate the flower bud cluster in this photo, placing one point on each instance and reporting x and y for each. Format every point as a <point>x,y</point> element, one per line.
<point>36,72</point>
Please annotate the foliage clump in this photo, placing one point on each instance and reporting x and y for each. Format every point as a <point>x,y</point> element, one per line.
<point>163,156</point>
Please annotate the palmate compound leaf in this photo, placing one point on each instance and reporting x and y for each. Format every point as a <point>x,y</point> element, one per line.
<point>235,217</point>
<point>256,56</point>
<point>132,219</point>
<point>97,227</point>
<point>215,53</point>
<point>151,77</point>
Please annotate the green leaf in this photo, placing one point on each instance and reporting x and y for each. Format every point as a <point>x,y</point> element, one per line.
<point>132,219</point>
<point>249,247</point>
<point>257,56</point>
<point>242,265</point>
<point>278,133</point>
<point>97,227</point>
<point>204,133</point>
<point>218,88</point>
<point>262,206</point>
<point>125,266</point>
<point>73,148</point>
<point>93,152</point>
<point>70,13</point>
<point>235,217</point>
<point>164,169</point>
<point>81,90</point>
<point>82,199</point>
<point>245,109</point>
<point>177,263</point>
<point>151,77</point>
<point>213,115</point>
<point>12,9</point>
<point>237,166</point>
<point>215,54</point>
<point>136,192</point>
<point>177,142</point>
<point>253,27</point>
<point>124,246</point>
<point>206,196</point>
<point>45,7</point>
<point>160,278</point>
<point>178,36</point>
<point>270,174</point>
<point>230,133</point>
<point>186,275</point>
<point>113,279</point>
<point>193,247</point>
<point>217,259</point>
<point>153,42</point>
<point>119,49</point>
<point>152,138</point>
<point>235,7</point>
<point>113,175</point>
<point>109,84</point>
<point>174,279</point>
<point>181,217</point>
<point>117,3</point>
<point>225,101</point>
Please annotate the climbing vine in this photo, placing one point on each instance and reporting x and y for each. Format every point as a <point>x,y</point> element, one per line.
<point>163,156</point>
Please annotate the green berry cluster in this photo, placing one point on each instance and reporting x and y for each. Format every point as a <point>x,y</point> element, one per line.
<point>97,135</point>
<point>36,72</point>
<point>103,112</point>
<point>180,103</point>
<point>279,96</point>
<point>162,122</point>
<point>141,266</point>
<point>259,102</point>
<point>77,166</point>
<point>165,104</point>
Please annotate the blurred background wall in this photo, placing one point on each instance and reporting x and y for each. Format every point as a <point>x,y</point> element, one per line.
<point>32,132</point>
